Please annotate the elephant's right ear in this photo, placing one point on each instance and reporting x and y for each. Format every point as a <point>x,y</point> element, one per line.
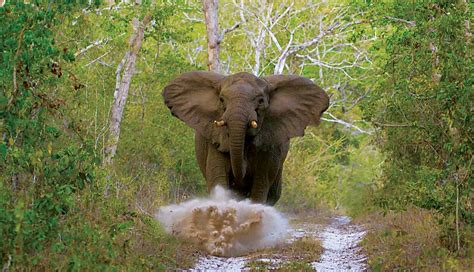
<point>193,97</point>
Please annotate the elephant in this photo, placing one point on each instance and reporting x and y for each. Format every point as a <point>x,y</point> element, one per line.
<point>243,125</point>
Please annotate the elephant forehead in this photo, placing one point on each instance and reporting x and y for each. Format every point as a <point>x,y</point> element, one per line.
<point>244,81</point>
<point>241,88</point>
<point>240,76</point>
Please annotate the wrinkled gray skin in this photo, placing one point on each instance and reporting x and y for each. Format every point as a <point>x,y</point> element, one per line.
<point>237,156</point>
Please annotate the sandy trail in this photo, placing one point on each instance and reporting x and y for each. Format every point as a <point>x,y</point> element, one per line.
<point>340,241</point>
<point>341,247</point>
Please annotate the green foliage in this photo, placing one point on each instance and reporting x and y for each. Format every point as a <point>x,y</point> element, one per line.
<point>423,106</point>
<point>54,108</point>
<point>166,148</point>
<point>162,162</point>
<point>329,167</point>
<point>39,175</point>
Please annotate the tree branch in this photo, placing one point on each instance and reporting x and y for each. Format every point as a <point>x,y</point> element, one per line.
<point>94,44</point>
<point>227,30</point>
<point>344,123</point>
<point>98,59</point>
<point>399,20</point>
<point>378,124</point>
<point>193,19</point>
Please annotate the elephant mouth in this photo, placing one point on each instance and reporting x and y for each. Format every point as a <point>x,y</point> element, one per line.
<point>241,187</point>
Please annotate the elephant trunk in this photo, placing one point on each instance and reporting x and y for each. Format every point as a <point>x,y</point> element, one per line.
<point>237,132</point>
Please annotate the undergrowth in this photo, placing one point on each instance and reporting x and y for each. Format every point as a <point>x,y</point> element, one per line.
<point>408,240</point>
<point>97,233</point>
<point>296,256</point>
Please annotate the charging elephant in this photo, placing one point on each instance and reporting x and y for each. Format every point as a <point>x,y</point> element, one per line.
<point>243,125</point>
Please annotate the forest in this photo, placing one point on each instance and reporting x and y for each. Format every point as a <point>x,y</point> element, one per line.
<point>89,151</point>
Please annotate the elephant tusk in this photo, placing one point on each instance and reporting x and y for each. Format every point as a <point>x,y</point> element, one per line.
<point>219,123</point>
<point>253,124</point>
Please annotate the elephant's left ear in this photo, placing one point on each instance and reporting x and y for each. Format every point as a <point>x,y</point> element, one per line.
<point>295,103</point>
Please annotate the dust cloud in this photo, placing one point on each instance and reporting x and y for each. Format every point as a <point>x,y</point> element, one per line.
<point>224,226</point>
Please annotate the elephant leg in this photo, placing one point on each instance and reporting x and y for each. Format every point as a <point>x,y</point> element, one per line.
<point>201,147</point>
<point>266,186</point>
<point>217,167</point>
<point>260,188</point>
<point>275,189</point>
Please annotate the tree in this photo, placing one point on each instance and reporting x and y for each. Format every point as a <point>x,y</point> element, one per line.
<point>324,41</point>
<point>423,108</point>
<point>123,81</point>
<point>212,29</point>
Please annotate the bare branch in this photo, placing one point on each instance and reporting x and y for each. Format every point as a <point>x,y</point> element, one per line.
<point>97,59</point>
<point>327,31</point>
<point>334,119</point>
<point>278,18</point>
<point>227,30</point>
<point>399,20</point>
<point>286,52</point>
<point>232,28</point>
<point>111,7</point>
<point>264,24</point>
<point>314,41</point>
<point>192,19</point>
<point>104,63</point>
<point>358,99</point>
<point>92,45</point>
<point>192,55</point>
<point>378,124</point>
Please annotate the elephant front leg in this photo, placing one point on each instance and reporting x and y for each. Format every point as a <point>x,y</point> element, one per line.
<point>266,186</point>
<point>217,167</point>
<point>275,189</point>
<point>201,146</point>
<point>260,186</point>
<point>266,189</point>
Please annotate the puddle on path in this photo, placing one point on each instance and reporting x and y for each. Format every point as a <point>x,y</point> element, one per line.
<point>340,241</point>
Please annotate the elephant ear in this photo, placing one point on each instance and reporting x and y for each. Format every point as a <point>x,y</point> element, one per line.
<point>193,97</point>
<point>295,103</point>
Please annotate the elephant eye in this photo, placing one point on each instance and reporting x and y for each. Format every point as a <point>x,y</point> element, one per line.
<point>221,99</point>
<point>261,101</point>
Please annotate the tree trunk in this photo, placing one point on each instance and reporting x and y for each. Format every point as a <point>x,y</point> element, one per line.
<point>213,40</point>
<point>122,85</point>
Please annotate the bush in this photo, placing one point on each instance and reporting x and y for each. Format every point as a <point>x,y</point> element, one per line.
<point>408,240</point>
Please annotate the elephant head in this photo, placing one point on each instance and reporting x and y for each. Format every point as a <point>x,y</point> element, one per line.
<point>227,110</point>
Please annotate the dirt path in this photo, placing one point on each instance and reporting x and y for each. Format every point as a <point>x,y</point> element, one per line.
<point>341,247</point>
<point>340,250</point>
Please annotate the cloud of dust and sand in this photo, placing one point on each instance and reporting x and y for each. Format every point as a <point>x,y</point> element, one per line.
<point>224,226</point>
